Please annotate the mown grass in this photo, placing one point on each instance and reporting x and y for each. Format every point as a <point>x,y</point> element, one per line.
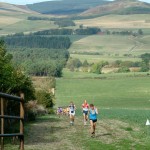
<point>112,93</point>
<point>123,97</point>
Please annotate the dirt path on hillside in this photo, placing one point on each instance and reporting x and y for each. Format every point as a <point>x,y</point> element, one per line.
<point>53,133</point>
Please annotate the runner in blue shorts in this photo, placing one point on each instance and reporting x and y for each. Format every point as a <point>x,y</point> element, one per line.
<point>93,112</point>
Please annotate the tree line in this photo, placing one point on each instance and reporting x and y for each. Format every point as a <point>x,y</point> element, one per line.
<point>123,66</point>
<point>125,32</point>
<point>14,80</point>
<point>40,61</point>
<point>30,41</point>
<point>63,31</point>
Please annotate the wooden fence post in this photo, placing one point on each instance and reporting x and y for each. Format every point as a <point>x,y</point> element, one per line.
<point>2,123</point>
<point>21,121</point>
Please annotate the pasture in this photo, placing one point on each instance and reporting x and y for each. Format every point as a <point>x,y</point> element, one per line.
<point>118,21</point>
<point>114,92</point>
<point>123,101</point>
<point>105,57</point>
<point>17,22</point>
<point>112,44</point>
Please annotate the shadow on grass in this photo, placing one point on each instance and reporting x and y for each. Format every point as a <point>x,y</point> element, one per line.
<point>42,131</point>
<point>47,119</point>
<point>104,134</point>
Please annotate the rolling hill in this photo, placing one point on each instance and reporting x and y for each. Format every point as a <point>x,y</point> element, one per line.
<point>66,7</point>
<point>14,19</point>
<point>120,7</point>
<point>6,8</point>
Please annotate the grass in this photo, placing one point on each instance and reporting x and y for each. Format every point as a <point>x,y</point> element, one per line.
<point>123,103</point>
<point>106,93</point>
<point>27,26</point>
<point>118,21</point>
<point>99,43</point>
<point>17,22</point>
<point>43,83</point>
<point>84,75</point>
<point>105,57</point>
<point>117,45</point>
<point>54,132</point>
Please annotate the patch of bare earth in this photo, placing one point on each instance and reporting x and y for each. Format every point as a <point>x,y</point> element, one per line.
<point>55,133</point>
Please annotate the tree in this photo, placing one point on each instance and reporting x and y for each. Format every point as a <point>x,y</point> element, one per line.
<point>145,65</point>
<point>140,32</point>
<point>123,69</point>
<point>74,63</point>
<point>85,63</point>
<point>45,98</point>
<point>97,67</point>
<point>13,81</point>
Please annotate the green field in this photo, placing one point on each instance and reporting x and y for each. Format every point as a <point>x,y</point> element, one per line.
<point>118,21</point>
<point>123,98</point>
<point>112,44</point>
<point>110,48</point>
<point>105,57</point>
<point>125,92</point>
<point>18,22</point>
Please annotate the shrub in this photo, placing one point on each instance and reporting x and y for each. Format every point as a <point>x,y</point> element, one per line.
<point>97,67</point>
<point>33,109</point>
<point>123,70</point>
<point>51,111</point>
<point>44,98</point>
<point>74,63</point>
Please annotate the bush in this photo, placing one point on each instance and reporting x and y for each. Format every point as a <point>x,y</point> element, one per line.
<point>123,70</point>
<point>44,98</point>
<point>74,63</point>
<point>32,110</point>
<point>97,67</point>
<point>51,111</point>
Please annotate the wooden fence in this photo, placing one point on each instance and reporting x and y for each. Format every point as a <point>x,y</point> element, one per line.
<point>4,97</point>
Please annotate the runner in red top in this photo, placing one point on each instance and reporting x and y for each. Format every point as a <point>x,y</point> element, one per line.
<point>85,107</point>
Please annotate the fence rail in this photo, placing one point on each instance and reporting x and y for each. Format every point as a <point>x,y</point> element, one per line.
<point>4,97</point>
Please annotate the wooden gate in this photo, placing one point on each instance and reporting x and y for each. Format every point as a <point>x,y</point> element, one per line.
<point>20,100</point>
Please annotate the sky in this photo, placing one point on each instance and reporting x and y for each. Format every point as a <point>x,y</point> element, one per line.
<point>23,2</point>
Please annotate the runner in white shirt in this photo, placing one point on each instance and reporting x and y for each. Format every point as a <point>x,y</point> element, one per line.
<point>72,109</point>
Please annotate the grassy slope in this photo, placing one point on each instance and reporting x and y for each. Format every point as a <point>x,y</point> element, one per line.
<point>118,21</point>
<point>16,21</point>
<point>55,133</point>
<point>98,58</point>
<point>99,43</point>
<point>65,6</point>
<point>117,45</point>
<point>121,6</point>
<point>124,92</point>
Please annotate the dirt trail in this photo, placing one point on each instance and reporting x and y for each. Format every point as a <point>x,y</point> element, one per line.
<point>55,133</point>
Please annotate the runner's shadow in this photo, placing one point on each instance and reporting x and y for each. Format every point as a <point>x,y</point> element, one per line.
<point>104,134</point>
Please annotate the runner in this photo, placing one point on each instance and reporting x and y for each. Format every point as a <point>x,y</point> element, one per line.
<point>85,107</point>
<point>72,109</point>
<point>93,119</point>
<point>59,111</point>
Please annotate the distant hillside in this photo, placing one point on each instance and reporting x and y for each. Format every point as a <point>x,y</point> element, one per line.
<point>120,7</point>
<point>65,6</point>
<point>10,8</point>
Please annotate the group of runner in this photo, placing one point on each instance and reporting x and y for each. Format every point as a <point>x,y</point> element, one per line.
<point>89,111</point>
